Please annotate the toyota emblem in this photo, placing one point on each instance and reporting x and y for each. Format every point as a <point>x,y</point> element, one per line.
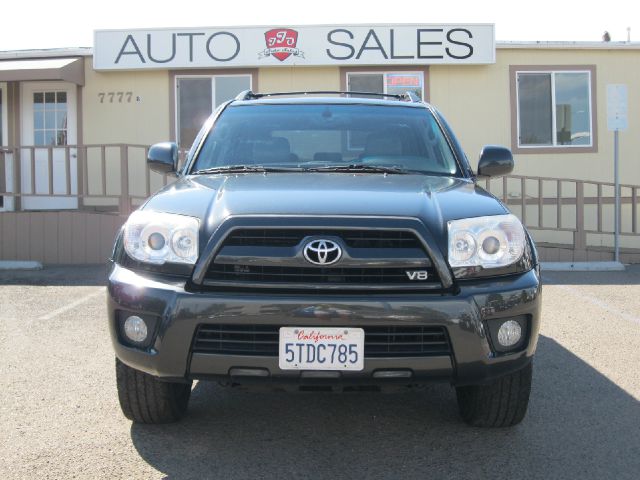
<point>322,252</point>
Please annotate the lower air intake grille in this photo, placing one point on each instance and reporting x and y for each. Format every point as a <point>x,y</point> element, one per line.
<point>379,342</point>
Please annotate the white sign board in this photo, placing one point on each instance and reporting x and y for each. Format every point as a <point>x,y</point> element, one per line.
<point>224,47</point>
<point>617,107</point>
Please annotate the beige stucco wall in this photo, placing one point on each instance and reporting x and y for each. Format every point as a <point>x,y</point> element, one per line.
<point>143,120</point>
<point>282,79</point>
<point>476,101</point>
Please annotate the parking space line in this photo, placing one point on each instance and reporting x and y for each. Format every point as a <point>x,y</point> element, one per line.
<point>72,305</point>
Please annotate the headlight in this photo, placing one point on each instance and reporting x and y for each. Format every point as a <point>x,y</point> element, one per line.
<point>154,237</point>
<point>489,242</point>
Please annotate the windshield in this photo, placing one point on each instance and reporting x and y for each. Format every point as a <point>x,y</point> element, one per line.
<point>345,136</point>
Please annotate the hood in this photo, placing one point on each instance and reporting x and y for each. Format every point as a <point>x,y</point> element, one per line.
<point>433,199</point>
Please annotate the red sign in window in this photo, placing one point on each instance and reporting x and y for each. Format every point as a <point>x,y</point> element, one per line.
<point>395,80</point>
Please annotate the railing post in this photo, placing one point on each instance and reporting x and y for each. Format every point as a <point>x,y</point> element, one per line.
<point>125,202</point>
<point>523,199</point>
<point>599,207</point>
<point>634,209</point>
<point>67,169</point>
<point>85,173</point>
<point>504,190</point>
<point>32,162</point>
<point>17,182</point>
<point>49,168</point>
<point>559,204</point>
<point>540,204</point>
<point>3,180</point>
<point>147,173</point>
<point>580,235</point>
<point>103,169</point>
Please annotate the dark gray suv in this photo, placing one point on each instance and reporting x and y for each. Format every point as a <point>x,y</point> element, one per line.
<point>325,241</point>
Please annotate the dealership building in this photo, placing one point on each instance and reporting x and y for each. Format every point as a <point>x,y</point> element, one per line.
<point>75,124</point>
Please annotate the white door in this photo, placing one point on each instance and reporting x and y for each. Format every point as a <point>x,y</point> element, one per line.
<point>49,124</point>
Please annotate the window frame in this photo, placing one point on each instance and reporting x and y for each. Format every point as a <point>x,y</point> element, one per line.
<point>174,75</point>
<point>57,130</point>
<point>384,74</point>
<point>516,147</point>
<point>346,71</point>
<point>4,121</point>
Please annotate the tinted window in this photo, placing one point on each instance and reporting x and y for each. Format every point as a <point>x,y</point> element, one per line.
<point>573,109</point>
<point>197,97</point>
<point>194,106</point>
<point>565,93</point>
<point>317,135</point>
<point>535,109</point>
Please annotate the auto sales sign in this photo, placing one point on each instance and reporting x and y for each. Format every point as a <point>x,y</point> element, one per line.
<point>226,47</point>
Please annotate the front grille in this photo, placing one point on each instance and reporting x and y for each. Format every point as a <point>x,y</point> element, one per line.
<point>273,258</point>
<point>311,275</point>
<point>285,237</point>
<point>379,342</point>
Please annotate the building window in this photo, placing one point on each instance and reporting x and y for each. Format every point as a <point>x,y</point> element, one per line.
<point>198,96</point>
<point>394,83</point>
<point>386,82</point>
<point>554,109</point>
<point>49,118</point>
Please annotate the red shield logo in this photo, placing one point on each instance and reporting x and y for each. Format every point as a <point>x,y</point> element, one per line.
<point>281,42</point>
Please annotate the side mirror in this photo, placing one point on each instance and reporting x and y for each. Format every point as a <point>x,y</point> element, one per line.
<point>495,161</point>
<point>163,157</point>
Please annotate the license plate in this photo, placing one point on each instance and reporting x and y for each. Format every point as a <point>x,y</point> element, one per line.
<point>311,348</point>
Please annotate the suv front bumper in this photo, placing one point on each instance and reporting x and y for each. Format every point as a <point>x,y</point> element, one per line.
<point>177,312</point>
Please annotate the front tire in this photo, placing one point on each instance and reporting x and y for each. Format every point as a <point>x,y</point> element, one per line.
<point>146,399</point>
<point>501,403</point>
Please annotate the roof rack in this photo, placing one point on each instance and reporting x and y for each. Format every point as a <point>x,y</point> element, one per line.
<point>411,97</point>
<point>407,96</point>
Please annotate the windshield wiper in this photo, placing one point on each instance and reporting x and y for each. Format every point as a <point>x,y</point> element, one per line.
<point>244,169</point>
<point>359,167</point>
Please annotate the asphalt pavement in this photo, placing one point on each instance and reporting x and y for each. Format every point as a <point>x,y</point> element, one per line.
<point>60,416</point>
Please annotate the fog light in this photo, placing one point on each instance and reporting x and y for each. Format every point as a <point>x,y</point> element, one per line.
<point>135,329</point>
<point>509,333</point>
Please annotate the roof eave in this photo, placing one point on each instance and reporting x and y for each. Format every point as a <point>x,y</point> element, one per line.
<point>46,53</point>
<point>568,45</point>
